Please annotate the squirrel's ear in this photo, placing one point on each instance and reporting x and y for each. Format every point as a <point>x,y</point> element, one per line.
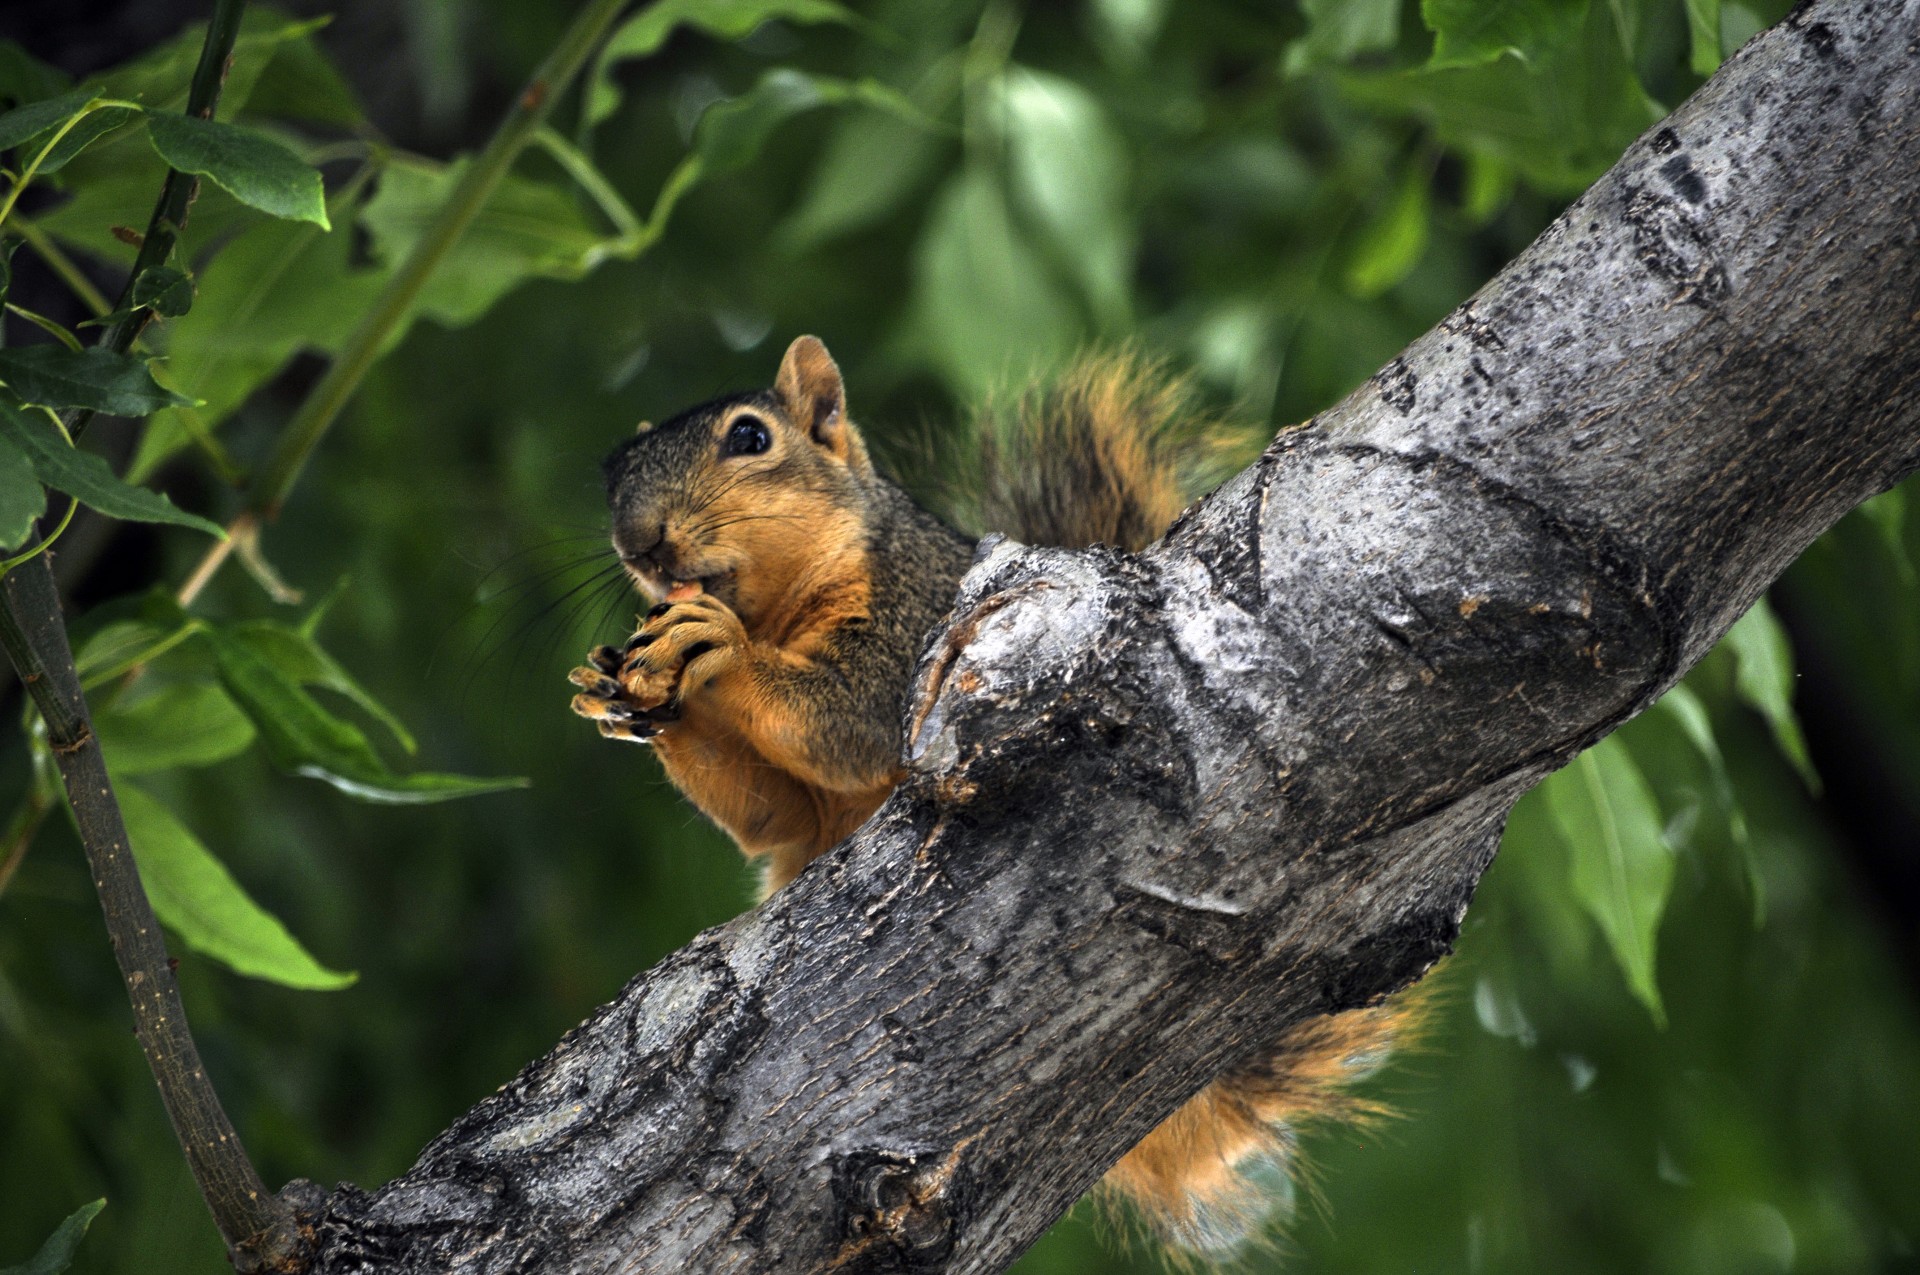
<point>809,385</point>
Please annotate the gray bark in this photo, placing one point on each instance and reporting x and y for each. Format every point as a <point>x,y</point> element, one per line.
<point>1161,807</point>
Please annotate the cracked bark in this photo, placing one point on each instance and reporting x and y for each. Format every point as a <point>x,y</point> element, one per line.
<point>1162,807</point>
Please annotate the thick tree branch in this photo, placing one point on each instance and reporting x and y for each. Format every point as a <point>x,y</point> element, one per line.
<point>1163,807</point>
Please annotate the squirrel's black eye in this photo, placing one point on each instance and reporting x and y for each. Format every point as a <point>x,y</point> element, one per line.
<point>748,436</point>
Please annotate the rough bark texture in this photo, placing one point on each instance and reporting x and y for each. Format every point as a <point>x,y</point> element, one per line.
<point>1162,807</point>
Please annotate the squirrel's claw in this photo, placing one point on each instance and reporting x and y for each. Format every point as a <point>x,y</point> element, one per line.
<point>635,732</point>
<point>595,681</point>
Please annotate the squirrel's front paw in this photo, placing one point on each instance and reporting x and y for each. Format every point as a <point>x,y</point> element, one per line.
<point>681,646</point>
<point>604,702</point>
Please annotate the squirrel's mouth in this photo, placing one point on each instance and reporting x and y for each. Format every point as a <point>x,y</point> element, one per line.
<point>661,587</point>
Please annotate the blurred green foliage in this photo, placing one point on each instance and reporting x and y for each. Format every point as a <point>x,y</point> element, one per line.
<point>1676,1038</point>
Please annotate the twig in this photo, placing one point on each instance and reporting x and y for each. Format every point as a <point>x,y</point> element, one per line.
<point>177,192</point>
<point>395,302</point>
<point>210,565</point>
<point>258,1227</point>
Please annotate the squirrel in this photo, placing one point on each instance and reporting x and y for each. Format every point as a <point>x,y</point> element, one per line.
<point>794,588</point>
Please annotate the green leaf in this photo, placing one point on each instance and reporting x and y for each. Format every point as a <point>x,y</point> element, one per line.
<point>1538,879</point>
<point>185,724</point>
<point>527,229</point>
<point>1470,32</point>
<point>278,288</point>
<point>871,164</point>
<point>22,498</point>
<point>1764,679</point>
<point>1689,712</point>
<point>1622,866</point>
<point>642,35</point>
<point>133,628</point>
<point>197,898</point>
<point>985,302</point>
<point>164,290</point>
<point>1560,120</point>
<point>113,184</point>
<point>1703,26</point>
<point>296,654</point>
<point>23,122</point>
<point>1888,514</point>
<point>159,79</point>
<point>96,125</point>
<point>54,376</point>
<point>1391,244</point>
<point>732,133</point>
<point>85,476</point>
<point>1068,174</point>
<point>303,738</point>
<point>1340,29</point>
<point>300,82</point>
<point>25,78</point>
<point>57,1253</point>
<point>247,164</point>
<point>1489,187</point>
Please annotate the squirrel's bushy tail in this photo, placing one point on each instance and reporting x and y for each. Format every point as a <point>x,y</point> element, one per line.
<point>1209,1179</point>
<point>1109,452</point>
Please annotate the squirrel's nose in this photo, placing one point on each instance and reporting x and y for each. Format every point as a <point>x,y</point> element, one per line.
<point>645,544</point>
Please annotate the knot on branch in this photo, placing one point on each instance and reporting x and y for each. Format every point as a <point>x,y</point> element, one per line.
<point>1007,676</point>
<point>900,1211</point>
<point>287,1246</point>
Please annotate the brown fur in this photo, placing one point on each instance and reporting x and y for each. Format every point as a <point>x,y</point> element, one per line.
<point>773,693</point>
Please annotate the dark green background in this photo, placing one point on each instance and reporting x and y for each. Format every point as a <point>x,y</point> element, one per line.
<point>1293,195</point>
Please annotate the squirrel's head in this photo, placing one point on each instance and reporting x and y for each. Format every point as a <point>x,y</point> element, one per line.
<point>744,496</point>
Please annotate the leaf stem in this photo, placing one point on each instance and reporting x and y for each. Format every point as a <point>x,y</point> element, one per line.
<point>394,306</point>
<point>25,178</point>
<point>588,178</point>
<point>46,541</point>
<point>215,558</point>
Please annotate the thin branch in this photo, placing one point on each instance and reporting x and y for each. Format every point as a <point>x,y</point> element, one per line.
<point>395,303</point>
<point>177,192</point>
<point>257,1226</point>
